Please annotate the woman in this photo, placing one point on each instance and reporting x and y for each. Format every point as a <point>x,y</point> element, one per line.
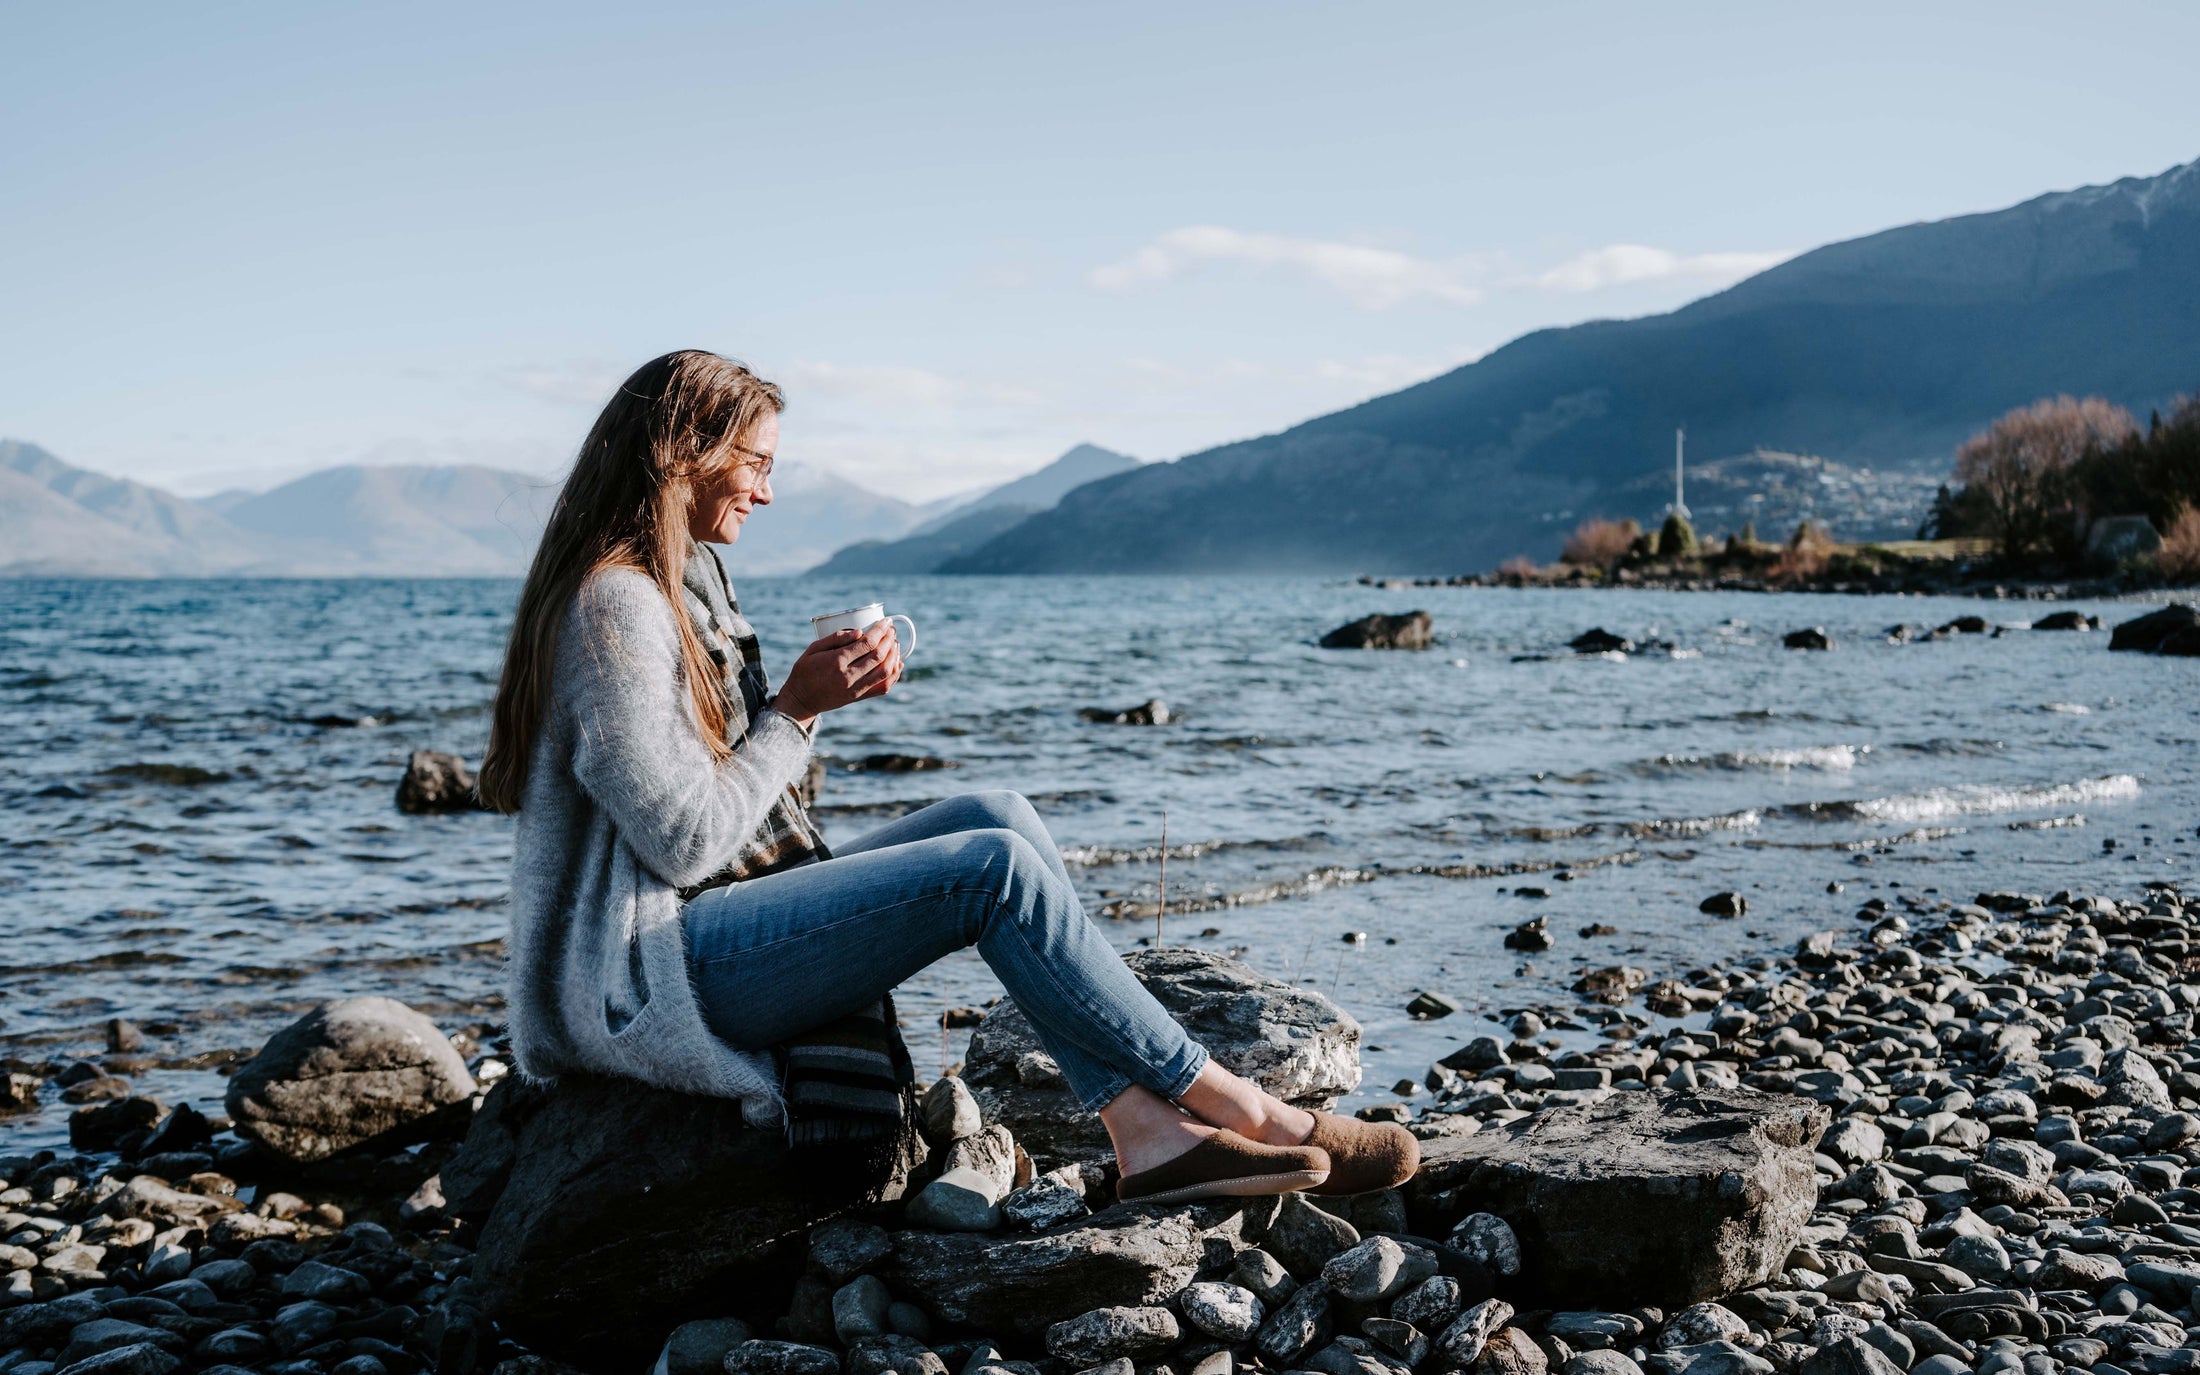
<point>675,915</point>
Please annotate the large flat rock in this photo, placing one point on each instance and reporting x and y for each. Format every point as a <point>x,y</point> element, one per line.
<point>1663,1197</point>
<point>1294,1043</point>
<point>1016,1286</point>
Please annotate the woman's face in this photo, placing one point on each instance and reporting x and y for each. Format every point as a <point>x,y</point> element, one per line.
<point>723,503</point>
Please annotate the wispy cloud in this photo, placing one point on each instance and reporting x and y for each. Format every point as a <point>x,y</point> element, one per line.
<point>1371,278</point>
<point>1382,278</point>
<point>1622,264</point>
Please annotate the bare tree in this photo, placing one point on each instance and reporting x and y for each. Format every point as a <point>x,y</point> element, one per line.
<point>2019,469</point>
<point>1597,543</point>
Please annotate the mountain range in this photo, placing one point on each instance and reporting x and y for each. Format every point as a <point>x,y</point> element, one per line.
<point>968,525</point>
<point>1884,351</point>
<point>1856,367</point>
<point>57,520</point>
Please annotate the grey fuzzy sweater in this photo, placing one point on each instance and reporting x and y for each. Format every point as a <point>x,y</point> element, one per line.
<point>623,807</point>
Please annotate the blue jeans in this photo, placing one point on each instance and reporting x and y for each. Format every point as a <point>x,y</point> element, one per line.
<point>773,957</point>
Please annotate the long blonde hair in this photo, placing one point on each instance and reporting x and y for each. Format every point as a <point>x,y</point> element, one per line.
<point>675,424</point>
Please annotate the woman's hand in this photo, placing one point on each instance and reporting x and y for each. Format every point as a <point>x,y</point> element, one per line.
<point>846,666</point>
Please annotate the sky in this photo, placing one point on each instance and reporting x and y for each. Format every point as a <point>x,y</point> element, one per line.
<point>242,242</point>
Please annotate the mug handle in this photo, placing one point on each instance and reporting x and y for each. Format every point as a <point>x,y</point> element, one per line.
<point>911,648</point>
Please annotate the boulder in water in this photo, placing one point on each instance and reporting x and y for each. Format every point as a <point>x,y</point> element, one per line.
<point>2067,620</point>
<point>352,1072</point>
<point>2175,629</point>
<point>1149,713</point>
<point>1600,641</point>
<point>1413,630</point>
<point>434,783</point>
<point>1531,935</point>
<point>1292,1042</point>
<point>903,763</point>
<point>1813,638</point>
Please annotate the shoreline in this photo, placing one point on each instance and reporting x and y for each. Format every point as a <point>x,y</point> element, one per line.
<point>2015,1099</point>
<point>1984,589</point>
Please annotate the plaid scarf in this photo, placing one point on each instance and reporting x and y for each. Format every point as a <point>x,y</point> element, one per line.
<point>850,1087</point>
<point>788,838</point>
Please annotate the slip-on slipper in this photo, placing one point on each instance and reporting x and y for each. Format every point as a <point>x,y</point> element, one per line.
<point>1226,1165</point>
<point>1364,1157</point>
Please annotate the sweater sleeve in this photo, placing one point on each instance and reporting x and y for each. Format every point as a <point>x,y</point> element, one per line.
<point>636,750</point>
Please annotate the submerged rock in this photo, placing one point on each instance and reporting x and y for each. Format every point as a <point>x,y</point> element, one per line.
<point>1149,713</point>
<point>1413,630</point>
<point>2067,620</point>
<point>1659,1197</point>
<point>1600,641</point>
<point>1292,1042</point>
<point>1813,638</point>
<point>351,1072</point>
<point>903,763</point>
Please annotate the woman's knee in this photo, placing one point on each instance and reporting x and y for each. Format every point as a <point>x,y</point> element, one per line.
<point>1011,868</point>
<point>1003,807</point>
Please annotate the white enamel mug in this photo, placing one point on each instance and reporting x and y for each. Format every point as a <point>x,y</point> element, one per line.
<point>860,618</point>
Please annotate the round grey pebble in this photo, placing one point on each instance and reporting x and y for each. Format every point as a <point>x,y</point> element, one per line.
<point>1226,1312</point>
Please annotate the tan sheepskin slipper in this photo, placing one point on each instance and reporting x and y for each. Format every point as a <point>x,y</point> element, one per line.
<point>1226,1165</point>
<point>1364,1157</point>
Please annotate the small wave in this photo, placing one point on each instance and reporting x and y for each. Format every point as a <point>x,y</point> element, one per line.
<point>1313,881</point>
<point>1547,833</point>
<point>1524,866</point>
<point>2048,823</point>
<point>1746,820</point>
<point>1972,799</point>
<point>177,775</point>
<point>1100,856</point>
<point>2067,708</point>
<point>1828,757</point>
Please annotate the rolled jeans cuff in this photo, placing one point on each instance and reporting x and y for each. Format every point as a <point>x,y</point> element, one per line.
<point>1172,1080</point>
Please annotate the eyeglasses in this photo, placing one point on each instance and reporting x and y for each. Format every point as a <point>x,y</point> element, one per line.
<point>763,461</point>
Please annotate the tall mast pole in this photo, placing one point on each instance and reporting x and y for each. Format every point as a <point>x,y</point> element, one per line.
<point>1680,502</point>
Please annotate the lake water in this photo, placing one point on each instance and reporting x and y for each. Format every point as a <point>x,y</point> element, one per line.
<point>197,825</point>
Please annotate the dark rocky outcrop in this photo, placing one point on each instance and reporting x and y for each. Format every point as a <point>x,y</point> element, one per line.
<point>1413,630</point>
<point>903,763</point>
<point>610,1210</point>
<point>1661,1197</point>
<point>1293,1042</point>
<point>2175,629</point>
<point>353,1072</point>
<point>1600,641</point>
<point>2067,620</point>
<point>1149,713</point>
<point>1815,637</point>
<point>436,783</point>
